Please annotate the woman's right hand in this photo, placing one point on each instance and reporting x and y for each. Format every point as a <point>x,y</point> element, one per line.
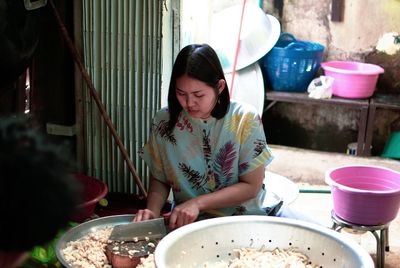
<point>183,214</point>
<point>144,214</point>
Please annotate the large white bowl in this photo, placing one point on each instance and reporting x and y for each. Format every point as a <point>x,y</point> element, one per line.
<point>259,33</point>
<point>213,240</point>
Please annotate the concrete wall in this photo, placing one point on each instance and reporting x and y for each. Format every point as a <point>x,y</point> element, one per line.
<point>355,37</point>
<point>363,23</point>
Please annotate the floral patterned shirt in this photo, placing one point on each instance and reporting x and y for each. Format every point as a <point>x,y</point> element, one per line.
<point>201,156</point>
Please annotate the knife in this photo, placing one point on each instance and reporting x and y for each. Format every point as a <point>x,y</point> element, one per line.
<point>136,231</point>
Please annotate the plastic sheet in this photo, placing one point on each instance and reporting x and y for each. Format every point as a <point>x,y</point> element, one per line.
<point>321,87</point>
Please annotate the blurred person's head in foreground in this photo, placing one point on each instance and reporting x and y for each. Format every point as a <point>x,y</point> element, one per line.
<point>38,194</point>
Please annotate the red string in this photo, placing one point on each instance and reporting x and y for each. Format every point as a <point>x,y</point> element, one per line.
<point>237,49</point>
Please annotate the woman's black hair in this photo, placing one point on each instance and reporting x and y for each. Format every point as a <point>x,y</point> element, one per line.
<point>201,62</point>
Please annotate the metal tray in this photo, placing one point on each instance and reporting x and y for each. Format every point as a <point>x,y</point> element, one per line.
<point>85,228</point>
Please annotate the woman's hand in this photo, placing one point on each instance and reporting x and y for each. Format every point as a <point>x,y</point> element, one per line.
<point>157,195</point>
<point>144,214</point>
<point>183,214</point>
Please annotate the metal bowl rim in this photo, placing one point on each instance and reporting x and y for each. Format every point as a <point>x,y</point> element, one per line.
<point>82,229</point>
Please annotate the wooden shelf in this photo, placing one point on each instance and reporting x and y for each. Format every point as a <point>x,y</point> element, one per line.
<point>361,104</point>
<point>296,97</point>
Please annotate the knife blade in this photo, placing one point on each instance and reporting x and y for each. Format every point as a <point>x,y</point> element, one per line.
<point>137,231</point>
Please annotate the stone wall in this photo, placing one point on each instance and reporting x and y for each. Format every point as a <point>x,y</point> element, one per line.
<point>355,37</point>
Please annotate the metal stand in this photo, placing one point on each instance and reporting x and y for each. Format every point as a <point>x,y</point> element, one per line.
<point>382,239</point>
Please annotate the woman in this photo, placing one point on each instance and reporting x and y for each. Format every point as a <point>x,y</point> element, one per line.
<point>210,151</point>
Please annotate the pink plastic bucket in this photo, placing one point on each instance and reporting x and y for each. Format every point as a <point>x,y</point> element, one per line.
<point>365,195</point>
<point>93,190</point>
<point>354,80</point>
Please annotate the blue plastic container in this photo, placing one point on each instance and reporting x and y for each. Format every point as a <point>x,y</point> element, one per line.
<point>291,64</point>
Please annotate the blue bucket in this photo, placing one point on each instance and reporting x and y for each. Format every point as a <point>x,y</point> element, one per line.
<point>291,64</point>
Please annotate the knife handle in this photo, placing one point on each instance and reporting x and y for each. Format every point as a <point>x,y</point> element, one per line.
<point>166,218</point>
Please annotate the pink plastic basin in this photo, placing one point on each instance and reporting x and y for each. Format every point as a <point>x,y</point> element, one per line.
<point>93,190</point>
<point>365,195</point>
<point>354,80</point>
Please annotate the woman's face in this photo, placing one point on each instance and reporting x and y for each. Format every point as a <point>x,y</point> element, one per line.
<point>196,97</point>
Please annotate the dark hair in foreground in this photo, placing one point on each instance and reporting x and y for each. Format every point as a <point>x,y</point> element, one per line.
<point>200,62</point>
<point>38,196</point>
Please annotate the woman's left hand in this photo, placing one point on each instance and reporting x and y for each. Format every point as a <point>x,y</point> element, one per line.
<point>144,214</point>
<point>183,214</point>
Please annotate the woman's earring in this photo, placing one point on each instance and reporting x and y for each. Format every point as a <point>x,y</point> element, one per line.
<point>219,100</point>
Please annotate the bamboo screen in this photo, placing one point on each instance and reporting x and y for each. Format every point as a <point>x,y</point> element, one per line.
<point>121,45</point>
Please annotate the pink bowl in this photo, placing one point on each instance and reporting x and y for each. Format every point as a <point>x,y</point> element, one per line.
<point>93,190</point>
<point>364,195</point>
<point>354,80</point>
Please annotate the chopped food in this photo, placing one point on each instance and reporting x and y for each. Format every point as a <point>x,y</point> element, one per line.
<point>95,250</point>
<point>89,251</point>
<point>147,262</point>
<point>252,257</point>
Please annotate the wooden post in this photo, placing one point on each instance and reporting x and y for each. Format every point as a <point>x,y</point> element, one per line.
<point>337,10</point>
